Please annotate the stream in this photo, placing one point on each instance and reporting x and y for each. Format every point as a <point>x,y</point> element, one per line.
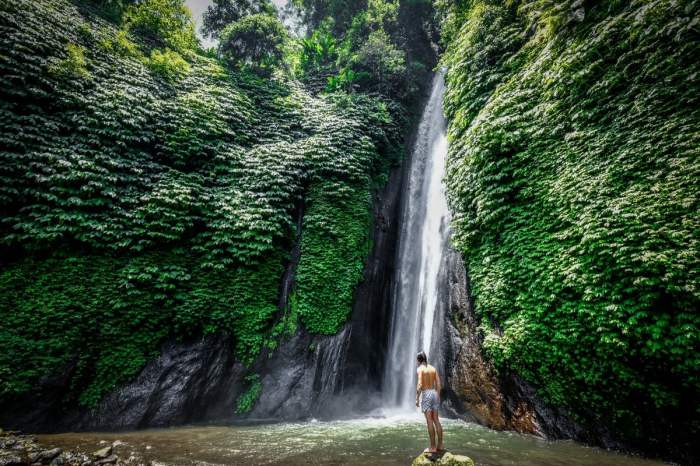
<point>390,440</point>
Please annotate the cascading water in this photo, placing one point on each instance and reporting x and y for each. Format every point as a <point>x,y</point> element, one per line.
<point>422,241</point>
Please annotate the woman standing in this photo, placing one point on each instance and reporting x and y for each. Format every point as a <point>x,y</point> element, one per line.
<point>428,393</point>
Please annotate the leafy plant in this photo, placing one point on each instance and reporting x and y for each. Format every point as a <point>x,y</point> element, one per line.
<point>165,23</point>
<point>122,45</point>
<point>73,66</point>
<point>380,61</point>
<point>168,64</point>
<point>319,51</point>
<point>345,80</point>
<point>255,42</point>
<point>247,400</point>
<point>327,276</point>
<point>222,13</point>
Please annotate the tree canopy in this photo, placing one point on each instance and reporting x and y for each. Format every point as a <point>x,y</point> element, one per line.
<point>222,13</point>
<point>254,42</point>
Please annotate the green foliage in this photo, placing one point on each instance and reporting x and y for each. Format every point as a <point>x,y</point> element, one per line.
<point>381,62</point>
<point>319,51</point>
<point>73,66</point>
<point>572,175</point>
<point>168,64</point>
<point>287,325</point>
<point>122,45</point>
<point>86,33</point>
<point>109,316</point>
<point>255,43</point>
<point>373,46</point>
<point>341,12</point>
<point>221,13</point>
<point>327,276</point>
<point>247,400</point>
<point>165,23</point>
<point>379,15</point>
<point>346,80</point>
<point>135,210</point>
<point>112,9</point>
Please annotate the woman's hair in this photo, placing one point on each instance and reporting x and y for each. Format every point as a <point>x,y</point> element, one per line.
<point>422,358</point>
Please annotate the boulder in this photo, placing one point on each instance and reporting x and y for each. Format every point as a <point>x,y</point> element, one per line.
<point>103,452</point>
<point>12,459</point>
<point>44,456</point>
<point>7,443</point>
<point>111,459</point>
<point>447,459</point>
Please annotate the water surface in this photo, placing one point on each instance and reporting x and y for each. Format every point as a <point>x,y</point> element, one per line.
<point>393,440</point>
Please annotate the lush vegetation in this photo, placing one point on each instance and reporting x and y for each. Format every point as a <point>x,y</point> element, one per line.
<point>573,175</point>
<point>377,46</point>
<point>255,42</point>
<point>222,13</point>
<point>148,192</point>
<point>167,23</point>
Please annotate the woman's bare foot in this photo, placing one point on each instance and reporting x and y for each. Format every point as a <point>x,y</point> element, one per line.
<point>430,450</point>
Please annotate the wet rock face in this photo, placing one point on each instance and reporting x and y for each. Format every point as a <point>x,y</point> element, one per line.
<point>474,392</point>
<point>363,367</point>
<point>184,384</point>
<point>187,382</point>
<point>301,377</point>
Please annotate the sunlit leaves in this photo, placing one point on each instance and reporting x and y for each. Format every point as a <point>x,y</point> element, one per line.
<point>141,206</point>
<point>573,171</point>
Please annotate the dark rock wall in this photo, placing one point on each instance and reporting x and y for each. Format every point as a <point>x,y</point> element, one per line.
<point>364,365</point>
<point>187,382</point>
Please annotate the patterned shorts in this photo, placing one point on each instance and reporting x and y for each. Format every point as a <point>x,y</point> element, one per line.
<point>429,400</point>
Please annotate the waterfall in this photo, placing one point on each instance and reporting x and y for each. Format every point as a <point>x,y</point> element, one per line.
<point>423,238</point>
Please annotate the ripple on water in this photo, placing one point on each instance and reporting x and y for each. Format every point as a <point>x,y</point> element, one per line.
<point>389,440</point>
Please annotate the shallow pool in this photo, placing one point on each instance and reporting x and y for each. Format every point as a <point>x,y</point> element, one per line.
<point>386,440</point>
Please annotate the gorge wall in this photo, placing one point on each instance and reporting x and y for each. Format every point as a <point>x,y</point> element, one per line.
<point>218,246</point>
<point>153,225</point>
<point>572,177</point>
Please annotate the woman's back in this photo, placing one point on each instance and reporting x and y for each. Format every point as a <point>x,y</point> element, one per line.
<point>427,376</point>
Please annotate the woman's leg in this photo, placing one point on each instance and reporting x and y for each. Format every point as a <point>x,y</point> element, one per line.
<point>431,431</point>
<point>438,428</point>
